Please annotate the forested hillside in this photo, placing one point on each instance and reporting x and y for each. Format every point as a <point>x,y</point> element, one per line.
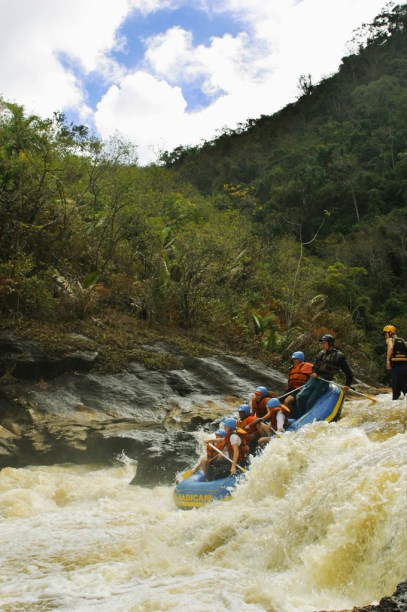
<point>257,241</point>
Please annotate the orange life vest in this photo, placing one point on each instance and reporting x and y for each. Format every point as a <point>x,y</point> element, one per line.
<point>243,448</point>
<point>259,408</point>
<point>211,453</point>
<point>298,374</point>
<point>245,422</point>
<point>273,415</point>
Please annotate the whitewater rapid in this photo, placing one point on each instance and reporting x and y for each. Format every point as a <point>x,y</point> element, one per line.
<point>318,524</point>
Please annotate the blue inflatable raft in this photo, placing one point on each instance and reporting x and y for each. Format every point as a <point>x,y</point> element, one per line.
<point>195,491</point>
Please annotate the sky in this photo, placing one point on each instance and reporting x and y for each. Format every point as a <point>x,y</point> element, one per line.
<point>169,73</point>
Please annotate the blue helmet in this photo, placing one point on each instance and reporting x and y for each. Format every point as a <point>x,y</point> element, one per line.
<point>298,355</point>
<point>262,391</point>
<point>220,432</point>
<point>244,408</point>
<point>273,403</point>
<point>231,423</point>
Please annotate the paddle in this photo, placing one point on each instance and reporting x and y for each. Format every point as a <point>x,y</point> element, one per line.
<point>226,457</point>
<point>369,397</point>
<point>280,397</point>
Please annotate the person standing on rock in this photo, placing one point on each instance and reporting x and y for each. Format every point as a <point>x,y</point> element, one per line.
<point>396,361</point>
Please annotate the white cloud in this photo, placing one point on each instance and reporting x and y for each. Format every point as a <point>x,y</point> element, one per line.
<point>245,75</point>
<point>168,54</point>
<point>143,109</point>
<point>253,73</point>
<point>34,35</point>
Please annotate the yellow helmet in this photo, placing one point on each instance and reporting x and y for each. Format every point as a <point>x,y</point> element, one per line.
<point>389,328</point>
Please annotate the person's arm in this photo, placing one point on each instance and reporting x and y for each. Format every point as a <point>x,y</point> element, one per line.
<point>317,365</point>
<point>257,420</point>
<point>389,342</point>
<point>280,420</point>
<point>247,427</point>
<point>235,442</point>
<point>347,371</point>
<point>235,458</point>
<point>266,416</point>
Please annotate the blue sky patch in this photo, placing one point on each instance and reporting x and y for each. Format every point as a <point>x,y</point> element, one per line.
<point>137,27</point>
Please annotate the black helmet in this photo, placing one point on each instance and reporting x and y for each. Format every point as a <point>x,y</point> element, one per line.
<point>330,339</point>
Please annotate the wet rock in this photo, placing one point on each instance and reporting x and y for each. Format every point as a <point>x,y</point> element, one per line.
<point>25,360</point>
<point>395,603</point>
<point>55,410</point>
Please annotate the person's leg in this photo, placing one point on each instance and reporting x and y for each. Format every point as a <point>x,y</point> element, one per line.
<point>403,379</point>
<point>252,442</point>
<point>263,430</point>
<point>399,380</point>
<point>291,402</point>
<point>395,371</point>
<point>319,388</point>
<point>304,394</point>
<point>295,412</point>
<point>219,469</point>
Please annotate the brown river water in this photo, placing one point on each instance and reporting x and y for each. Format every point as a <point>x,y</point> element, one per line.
<point>319,523</point>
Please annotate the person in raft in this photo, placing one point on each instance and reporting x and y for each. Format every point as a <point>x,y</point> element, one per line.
<point>275,421</point>
<point>259,409</point>
<point>235,447</point>
<point>328,362</point>
<point>260,398</point>
<point>299,373</point>
<point>396,361</point>
<point>248,422</point>
<point>206,464</point>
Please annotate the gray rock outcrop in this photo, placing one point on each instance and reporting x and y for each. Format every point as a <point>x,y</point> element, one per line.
<point>62,410</point>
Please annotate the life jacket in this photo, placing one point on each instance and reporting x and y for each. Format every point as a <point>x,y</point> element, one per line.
<point>243,448</point>
<point>298,374</point>
<point>245,422</point>
<point>259,409</point>
<point>211,453</point>
<point>399,352</point>
<point>327,363</point>
<point>273,415</point>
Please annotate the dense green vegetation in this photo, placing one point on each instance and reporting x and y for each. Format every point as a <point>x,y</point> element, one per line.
<point>260,240</point>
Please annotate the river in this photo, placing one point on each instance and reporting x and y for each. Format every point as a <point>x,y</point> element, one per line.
<point>319,524</point>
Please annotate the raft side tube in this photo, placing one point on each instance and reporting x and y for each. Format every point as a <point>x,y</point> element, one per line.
<point>327,408</point>
<point>195,491</point>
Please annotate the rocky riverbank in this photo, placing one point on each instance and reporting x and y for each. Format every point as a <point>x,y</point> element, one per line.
<point>62,409</point>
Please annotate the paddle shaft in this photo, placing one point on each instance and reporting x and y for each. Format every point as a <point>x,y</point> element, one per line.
<point>280,397</point>
<point>226,457</point>
<point>369,397</point>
